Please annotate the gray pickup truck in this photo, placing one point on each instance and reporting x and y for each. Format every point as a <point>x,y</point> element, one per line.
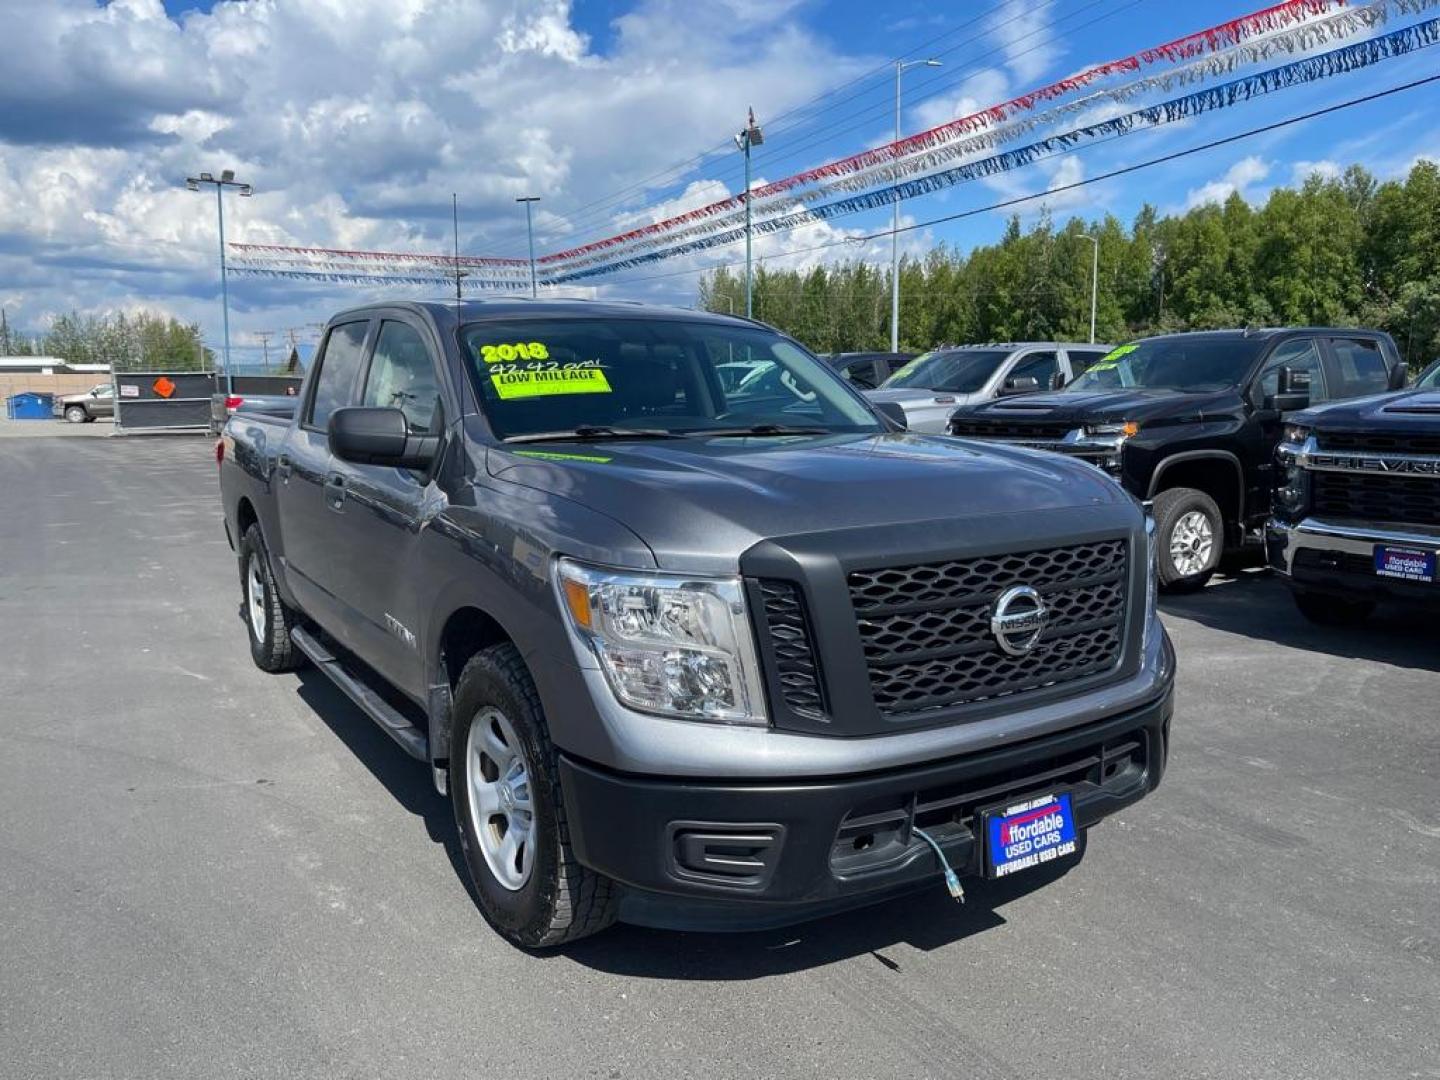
<point>689,657</point>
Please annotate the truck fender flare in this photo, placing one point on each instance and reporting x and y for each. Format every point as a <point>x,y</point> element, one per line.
<point>1198,455</point>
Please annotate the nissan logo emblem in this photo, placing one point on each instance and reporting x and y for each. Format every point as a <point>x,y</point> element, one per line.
<point>1018,619</point>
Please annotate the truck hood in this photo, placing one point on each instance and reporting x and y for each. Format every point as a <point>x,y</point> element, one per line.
<point>1409,411</point>
<point>1106,406</point>
<point>699,503</point>
<point>914,398</point>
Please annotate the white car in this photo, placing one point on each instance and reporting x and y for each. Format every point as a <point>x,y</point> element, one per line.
<point>935,384</point>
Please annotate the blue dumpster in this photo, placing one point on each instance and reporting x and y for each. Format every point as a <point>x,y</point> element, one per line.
<point>29,406</point>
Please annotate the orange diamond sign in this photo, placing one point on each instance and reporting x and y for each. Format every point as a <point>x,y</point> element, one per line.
<point>163,386</point>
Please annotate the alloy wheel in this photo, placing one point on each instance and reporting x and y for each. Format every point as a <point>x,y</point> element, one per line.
<point>501,809</point>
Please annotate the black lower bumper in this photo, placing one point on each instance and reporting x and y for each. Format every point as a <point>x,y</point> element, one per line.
<point>740,855</point>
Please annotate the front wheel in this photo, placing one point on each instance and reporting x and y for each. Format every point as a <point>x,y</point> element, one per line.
<point>1190,534</point>
<point>505,785</point>
<point>1326,610</point>
<point>76,414</point>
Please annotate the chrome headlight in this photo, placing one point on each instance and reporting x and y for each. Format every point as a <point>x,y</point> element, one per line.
<point>672,645</point>
<point>1294,434</point>
<point>1109,434</point>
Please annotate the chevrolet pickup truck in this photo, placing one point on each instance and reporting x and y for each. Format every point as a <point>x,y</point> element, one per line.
<point>1357,508</point>
<point>689,657</point>
<point>1191,422</point>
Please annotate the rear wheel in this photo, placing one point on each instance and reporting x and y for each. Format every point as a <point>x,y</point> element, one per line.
<point>267,618</point>
<point>76,414</point>
<point>1191,538</point>
<point>505,785</point>
<point>1324,609</point>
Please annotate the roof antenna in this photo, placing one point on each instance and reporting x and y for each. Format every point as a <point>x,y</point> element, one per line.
<point>455,217</point>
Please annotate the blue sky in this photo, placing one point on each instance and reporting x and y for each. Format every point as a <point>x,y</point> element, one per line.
<point>355,129</point>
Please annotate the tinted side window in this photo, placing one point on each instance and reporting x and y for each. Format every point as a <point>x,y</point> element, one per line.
<point>402,376</point>
<point>1080,359</point>
<point>1037,366</point>
<point>863,374</point>
<point>339,364</point>
<point>1360,368</point>
<point>1298,355</point>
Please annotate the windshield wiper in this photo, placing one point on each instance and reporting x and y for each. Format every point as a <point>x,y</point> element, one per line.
<point>593,433</point>
<point>757,429</point>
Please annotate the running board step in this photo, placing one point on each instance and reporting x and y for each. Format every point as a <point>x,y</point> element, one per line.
<point>411,739</point>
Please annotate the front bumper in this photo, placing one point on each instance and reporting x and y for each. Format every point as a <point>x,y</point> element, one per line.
<point>1339,557</point>
<point>740,855</point>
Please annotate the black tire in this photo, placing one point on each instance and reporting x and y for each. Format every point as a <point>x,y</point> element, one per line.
<point>1171,508</point>
<point>561,900</point>
<point>1323,609</point>
<point>76,414</point>
<point>270,644</point>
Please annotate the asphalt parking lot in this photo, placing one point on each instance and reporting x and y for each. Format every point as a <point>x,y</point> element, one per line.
<point>206,871</point>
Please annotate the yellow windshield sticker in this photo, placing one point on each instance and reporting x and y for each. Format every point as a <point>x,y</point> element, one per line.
<point>544,382</point>
<point>1115,354</point>
<point>547,455</point>
<point>510,351</point>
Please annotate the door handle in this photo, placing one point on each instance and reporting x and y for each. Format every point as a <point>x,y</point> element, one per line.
<point>335,491</point>
<point>283,468</point>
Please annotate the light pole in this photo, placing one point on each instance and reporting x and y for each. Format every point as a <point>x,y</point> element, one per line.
<point>227,179</point>
<point>530,232</point>
<point>900,66</point>
<point>1094,280</point>
<point>750,136</point>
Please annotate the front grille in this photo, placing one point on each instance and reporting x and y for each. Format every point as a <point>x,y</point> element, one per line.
<point>794,652</point>
<point>1008,429</point>
<point>1410,500</point>
<point>1408,445</point>
<point>926,629</point>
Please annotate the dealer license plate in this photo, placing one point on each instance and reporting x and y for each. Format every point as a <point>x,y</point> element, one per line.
<point>1028,834</point>
<point>1407,564</point>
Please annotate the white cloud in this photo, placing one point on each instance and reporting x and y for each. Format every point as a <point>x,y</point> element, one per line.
<point>1023,29</point>
<point>1240,177</point>
<point>355,120</point>
<point>1300,171</point>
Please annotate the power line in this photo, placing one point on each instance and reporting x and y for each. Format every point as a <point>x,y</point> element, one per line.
<point>724,147</point>
<point>1097,178</point>
<point>583,218</point>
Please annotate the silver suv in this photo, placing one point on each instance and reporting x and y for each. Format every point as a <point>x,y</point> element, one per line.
<point>934,385</point>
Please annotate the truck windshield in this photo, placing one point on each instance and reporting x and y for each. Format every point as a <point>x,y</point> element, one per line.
<point>956,371</point>
<point>1430,378</point>
<point>540,376</point>
<point>1179,363</point>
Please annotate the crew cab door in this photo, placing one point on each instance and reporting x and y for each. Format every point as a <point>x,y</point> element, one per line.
<point>308,524</point>
<point>1261,434</point>
<point>386,509</point>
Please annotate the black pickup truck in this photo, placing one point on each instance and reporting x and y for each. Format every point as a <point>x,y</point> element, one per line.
<point>687,656</point>
<point>1191,421</point>
<point>1357,509</point>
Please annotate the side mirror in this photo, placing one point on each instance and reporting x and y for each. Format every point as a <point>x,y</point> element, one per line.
<point>1398,377</point>
<point>379,436</point>
<point>1020,384</point>
<point>1293,390</point>
<point>1057,380</point>
<point>894,413</point>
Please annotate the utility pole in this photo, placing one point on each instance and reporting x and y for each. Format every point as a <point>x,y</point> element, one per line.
<point>900,66</point>
<point>1094,280</point>
<point>4,334</point>
<point>227,179</point>
<point>265,336</point>
<point>530,232</point>
<point>750,136</point>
